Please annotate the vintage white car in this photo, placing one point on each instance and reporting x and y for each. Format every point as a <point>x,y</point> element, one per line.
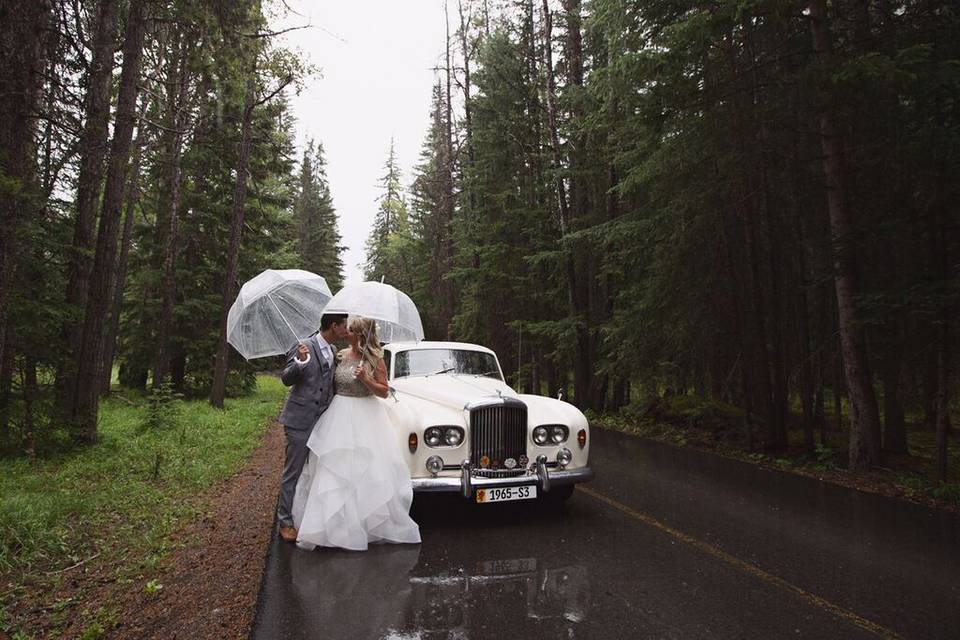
<point>463,429</point>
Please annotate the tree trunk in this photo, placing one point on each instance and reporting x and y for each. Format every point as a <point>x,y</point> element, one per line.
<point>865,419</point>
<point>928,387</point>
<point>894,427</point>
<point>178,367</point>
<point>621,387</point>
<point>585,382</point>
<point>757,358</point>
<point>6,395</point>
<point>118,282</point>
<point>806,368</point>
<point>23,30</point>
<point>535,382</point>
<point>819,408</point>
<point>758,335</point>
<point>467,105</point>
<point>943,396</point>
<point>219,385</point>
<point>29,402</point>
<point>93,150</point>
<point>838,389</point>
<point>177,121</point>
<point>777,352</point>
<point>819,401</point>
<point>98,300</point>
<point>449,198</point>
<point>802,311</point>
<point>581,378</point>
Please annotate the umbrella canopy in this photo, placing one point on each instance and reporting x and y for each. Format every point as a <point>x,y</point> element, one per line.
<point>276,310</point>
<point>396,315</point>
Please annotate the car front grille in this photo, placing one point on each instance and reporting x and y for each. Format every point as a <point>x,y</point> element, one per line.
<point>498,431</point>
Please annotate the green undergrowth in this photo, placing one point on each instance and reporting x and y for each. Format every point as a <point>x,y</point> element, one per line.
<point>687,420</point>
<point>121,497</point>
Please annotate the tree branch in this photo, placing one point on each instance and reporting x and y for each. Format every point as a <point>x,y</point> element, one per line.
<point>280,88</point>
<point>270,34</point>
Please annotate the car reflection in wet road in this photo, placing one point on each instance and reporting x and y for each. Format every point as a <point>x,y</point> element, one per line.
<point>544,602</point>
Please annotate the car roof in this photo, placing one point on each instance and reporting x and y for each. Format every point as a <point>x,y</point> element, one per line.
<point>435,344</point>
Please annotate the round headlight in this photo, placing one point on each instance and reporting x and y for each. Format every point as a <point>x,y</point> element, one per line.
<point>453,437</point>
<point>557,434</point>
<point>540,435</point>
<point>433,436</point>
<point>564,457</point>
<point>434,464</point>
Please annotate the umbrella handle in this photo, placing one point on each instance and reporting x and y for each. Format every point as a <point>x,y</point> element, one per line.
<point>270,298</point>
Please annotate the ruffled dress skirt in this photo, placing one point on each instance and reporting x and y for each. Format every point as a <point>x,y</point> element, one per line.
<point>355,486</point>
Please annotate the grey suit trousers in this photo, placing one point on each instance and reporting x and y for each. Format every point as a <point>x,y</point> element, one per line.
<point>297,453</point>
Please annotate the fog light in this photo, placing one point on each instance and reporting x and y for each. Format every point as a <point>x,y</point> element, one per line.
<point>540,435</point>
<point>582,438</point>
<point>434,464</point>
<point>564,457</point>
<point>453,437</point>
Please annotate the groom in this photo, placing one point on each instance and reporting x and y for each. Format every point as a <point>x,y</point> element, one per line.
<point>309,370</point>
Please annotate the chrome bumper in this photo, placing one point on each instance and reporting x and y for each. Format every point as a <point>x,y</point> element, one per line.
<point>539,475</point>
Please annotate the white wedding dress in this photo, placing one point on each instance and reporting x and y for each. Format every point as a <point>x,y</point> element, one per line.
<point>355,486</point>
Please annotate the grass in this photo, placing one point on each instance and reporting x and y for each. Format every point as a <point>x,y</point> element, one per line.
<point>135,485</point>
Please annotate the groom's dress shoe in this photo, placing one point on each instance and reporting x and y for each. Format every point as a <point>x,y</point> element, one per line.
<point>288,534</point>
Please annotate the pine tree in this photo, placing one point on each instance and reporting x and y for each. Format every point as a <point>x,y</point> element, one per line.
<point>318,235</point>
<point>389,223</point>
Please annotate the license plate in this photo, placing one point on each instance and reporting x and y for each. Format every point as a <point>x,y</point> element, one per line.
<point>506,566</point>
<point>503,494</point>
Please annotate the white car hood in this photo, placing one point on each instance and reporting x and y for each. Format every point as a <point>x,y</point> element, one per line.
<point>454,391</point>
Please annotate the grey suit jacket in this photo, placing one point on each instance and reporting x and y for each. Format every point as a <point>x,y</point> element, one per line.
<point>312,387</point>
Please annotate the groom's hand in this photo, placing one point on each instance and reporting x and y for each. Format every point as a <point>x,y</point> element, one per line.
<point>302,352</point>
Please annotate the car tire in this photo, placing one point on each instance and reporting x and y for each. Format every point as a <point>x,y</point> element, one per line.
<point>559,495</point>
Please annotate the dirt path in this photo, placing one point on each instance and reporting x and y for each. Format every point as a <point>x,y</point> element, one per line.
<point>211,582</point>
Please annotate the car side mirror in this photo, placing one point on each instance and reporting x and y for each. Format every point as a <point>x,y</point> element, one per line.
<point>559,394</point>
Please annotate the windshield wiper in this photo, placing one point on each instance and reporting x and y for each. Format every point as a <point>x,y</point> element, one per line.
<point>447,370</point>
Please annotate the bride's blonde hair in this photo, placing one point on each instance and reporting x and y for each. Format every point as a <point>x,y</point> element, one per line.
<point>368,341</point>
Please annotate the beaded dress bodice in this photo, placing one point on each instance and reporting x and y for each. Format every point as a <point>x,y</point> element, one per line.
<point>343,378</point>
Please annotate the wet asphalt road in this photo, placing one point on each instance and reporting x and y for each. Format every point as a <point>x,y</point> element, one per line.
<point>665,543</point>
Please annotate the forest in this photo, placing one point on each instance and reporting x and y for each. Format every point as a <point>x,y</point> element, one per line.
<point>750,201</point>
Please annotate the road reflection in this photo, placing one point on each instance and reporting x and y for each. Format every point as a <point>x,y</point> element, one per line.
<point>517,594</point>
<point>346,594</point>
<point>384,593</point>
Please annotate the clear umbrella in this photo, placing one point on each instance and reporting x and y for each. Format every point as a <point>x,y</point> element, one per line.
<point>397,317</point>
<point>276,310</point>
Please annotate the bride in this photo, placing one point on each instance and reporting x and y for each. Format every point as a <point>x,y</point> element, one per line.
<point>355,487</point>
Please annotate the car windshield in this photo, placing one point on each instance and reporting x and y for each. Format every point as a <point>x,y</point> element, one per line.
<point>419,362</point>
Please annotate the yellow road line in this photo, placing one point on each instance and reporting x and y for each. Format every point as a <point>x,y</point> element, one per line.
<point>753,570</point>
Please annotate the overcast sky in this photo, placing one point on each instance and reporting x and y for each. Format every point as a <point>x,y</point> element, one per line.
<point>376,61</point>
